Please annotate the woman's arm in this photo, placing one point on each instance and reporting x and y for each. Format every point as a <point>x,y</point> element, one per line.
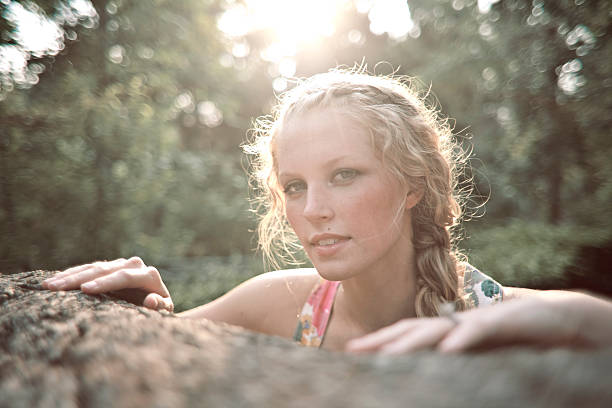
<point>518,293</point>
<point>537,318</point>
<point>268,303</point>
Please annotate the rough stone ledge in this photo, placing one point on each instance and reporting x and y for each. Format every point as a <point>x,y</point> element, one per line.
<point>68,349</point>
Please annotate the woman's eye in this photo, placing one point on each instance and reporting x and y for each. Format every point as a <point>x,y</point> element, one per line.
<point>344,175</point>
<point>294,187</point>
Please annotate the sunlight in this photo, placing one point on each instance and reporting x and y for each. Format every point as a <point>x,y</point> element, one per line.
<point>292,25</point>
<point>391,17</point>
<point>37,35</point>
<point>35,32</point>
<point>291,21</point>
<point>484,6</point>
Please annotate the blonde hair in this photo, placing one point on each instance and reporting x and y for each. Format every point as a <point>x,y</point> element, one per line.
<point>415,145</point>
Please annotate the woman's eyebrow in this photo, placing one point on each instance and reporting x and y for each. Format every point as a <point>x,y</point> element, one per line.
<point>327,164</point>
<point>286,175</point>
<point>335,160</point>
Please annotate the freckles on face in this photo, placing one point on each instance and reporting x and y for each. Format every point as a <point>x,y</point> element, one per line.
<point>340,200</point>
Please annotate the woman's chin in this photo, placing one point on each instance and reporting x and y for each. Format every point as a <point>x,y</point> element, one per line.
<point>333,272</point>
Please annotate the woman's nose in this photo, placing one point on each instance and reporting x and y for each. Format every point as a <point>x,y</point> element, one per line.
<point>318,205</point>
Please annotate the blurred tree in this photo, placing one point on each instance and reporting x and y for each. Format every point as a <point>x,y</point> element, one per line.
<point>107,158</point>
<point>129,141</point>
<point>526,84</point>
<point>531,81</point>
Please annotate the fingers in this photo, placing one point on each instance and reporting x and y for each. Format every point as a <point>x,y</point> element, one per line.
<point>423,337</point>
<point>147,279</point>
<point>121,276</point>
<point>108,276</point>
<point>463,338</point>
<point>378,339</point>
<point>72,278</point>
<point>405,336</point>
<point>67,272</point>
<point>510,323</point>
<point>157,302</point>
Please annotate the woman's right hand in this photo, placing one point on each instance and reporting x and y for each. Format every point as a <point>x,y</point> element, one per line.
<point>107,276</point>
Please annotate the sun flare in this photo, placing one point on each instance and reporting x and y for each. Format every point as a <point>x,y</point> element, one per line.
<point>293,22</point>
<point>289,26</point>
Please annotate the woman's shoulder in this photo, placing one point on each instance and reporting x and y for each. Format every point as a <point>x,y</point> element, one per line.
<point>293,284</point>
<point>295,276</point>
<point>479,289</point>
<point>281,296</point>
<point>267,303</point>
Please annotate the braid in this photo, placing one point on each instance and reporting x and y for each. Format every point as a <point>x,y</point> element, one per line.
<point>437,279</point>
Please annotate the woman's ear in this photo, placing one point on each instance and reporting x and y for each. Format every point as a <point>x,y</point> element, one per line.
<point>413,197</point>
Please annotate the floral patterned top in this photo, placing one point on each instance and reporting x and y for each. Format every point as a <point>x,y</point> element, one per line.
<point>479,290</point>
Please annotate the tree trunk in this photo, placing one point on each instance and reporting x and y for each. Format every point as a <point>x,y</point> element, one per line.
<point>67,349</point>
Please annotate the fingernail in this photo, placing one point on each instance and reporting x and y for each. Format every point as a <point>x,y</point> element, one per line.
<point>89,285</point>
<point>56,284</point>
<point>154,304</point>
<point>386,351</point>
<point>447,346</point>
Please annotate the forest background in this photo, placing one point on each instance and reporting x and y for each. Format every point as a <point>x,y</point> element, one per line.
<point>121,125</point>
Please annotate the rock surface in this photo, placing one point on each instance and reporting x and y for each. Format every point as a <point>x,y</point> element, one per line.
<point>68,349</point>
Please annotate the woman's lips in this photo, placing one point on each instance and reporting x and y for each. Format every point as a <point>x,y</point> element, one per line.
<point>328,244</point>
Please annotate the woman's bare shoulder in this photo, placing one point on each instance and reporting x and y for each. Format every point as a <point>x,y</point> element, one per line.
<point>285,283</point>
<point>296,276</point>
<point>267,303</point>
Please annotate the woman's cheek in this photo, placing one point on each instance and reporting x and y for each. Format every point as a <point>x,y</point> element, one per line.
<point>292,214</point>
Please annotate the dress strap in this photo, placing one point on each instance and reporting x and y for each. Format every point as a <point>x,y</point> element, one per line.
<point>312,322</point>
<point>480,289</point>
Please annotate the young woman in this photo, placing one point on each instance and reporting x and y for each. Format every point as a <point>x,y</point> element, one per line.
<point>355,170</point>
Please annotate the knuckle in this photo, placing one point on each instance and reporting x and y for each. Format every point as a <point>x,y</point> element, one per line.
<point>153,272</point>
<point>69,280</point>
<point>405,324</point>
<point>100,268</point>
<point>123,274</point>
<point>136,260</point>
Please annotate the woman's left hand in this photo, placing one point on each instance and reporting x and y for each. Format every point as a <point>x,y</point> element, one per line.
<point>524,321</point>
<point>547,319</point>
<point>404,336</point>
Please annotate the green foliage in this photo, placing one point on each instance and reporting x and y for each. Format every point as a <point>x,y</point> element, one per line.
<point>526,80</point>
<point>110,154</point>
<point>129,142</point>
<point>526,254</point>
<point>197,281</point>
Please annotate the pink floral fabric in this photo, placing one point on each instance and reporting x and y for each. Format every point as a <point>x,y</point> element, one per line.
<point>315,315</point>
<point>479,290</point>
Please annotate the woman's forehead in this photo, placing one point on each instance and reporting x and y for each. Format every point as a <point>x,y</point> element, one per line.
<point>329,127</point>
<point>323,142</point>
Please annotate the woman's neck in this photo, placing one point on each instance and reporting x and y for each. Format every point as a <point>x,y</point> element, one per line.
<point>378,298</point>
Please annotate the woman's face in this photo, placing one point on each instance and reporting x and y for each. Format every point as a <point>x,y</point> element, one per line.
<point>350,214</point>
